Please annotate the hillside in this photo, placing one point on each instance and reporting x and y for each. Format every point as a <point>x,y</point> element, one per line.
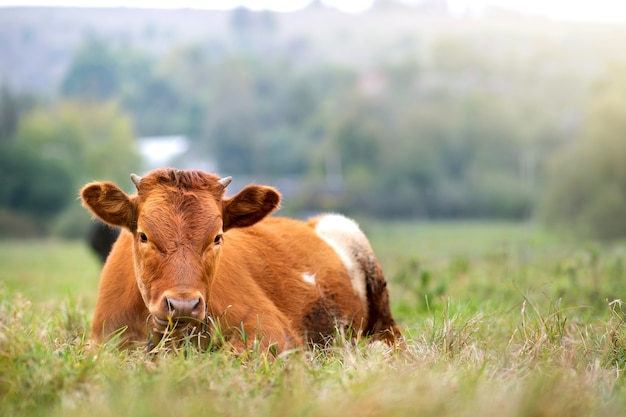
<point>36,44</point>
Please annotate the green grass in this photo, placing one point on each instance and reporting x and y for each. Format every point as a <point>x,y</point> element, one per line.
<point>50,270</point>
<point>499,319</point>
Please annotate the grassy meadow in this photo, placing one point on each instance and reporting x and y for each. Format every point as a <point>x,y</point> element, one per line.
<point>499,320</point>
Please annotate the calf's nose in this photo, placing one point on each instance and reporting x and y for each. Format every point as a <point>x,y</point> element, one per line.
<point>180,308</point>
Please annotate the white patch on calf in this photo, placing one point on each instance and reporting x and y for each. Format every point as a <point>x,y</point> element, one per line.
<point>309,278</point>
<point>350,243</point>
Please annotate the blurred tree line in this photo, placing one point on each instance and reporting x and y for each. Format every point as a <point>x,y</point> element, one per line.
<point>469,125</point>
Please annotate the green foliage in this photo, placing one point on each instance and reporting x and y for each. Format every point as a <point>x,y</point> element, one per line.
<point>56,150</point>
<point>16,224</point>
<point>89,140</point>
<point>100,72</point>
<point>73,223</point>
<point>587,189</point>
<point>256,119</point>
<point>441,120</point>
<point>427,140</point>
<point>12,107</point>
<point>33,185</point>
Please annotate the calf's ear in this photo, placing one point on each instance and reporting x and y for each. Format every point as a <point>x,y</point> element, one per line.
<point>249,206</point>
<point>110,204</point>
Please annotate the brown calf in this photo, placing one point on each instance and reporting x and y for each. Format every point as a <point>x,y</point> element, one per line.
<point>189,258</point>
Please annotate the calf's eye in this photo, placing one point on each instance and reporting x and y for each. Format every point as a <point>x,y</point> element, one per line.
<point>218,239</point>
<point>143,238</point>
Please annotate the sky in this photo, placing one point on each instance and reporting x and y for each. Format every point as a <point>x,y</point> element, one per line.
<point>577,10</point>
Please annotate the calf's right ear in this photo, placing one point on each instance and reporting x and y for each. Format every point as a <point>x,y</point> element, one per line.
<point>110,204</point>
<point>249,206</point>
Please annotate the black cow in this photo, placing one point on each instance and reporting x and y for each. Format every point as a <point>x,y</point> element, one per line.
<point>101,237</point>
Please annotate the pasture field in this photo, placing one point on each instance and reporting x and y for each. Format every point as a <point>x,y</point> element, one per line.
<point>499,320</point>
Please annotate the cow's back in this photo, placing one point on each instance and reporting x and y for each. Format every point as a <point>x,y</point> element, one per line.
<point>296,270</point>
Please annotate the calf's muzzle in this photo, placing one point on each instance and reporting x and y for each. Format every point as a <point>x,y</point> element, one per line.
<point>180,308</point>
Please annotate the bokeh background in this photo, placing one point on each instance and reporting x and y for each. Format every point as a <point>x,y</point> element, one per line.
<point>423,110</point>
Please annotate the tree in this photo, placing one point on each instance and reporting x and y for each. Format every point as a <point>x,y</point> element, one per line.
<point>586,190</point>
<point>94,73</point>
<point>55,152</point>
<point>40,188</point>
<point>89,141</point>
<point>12,107</point>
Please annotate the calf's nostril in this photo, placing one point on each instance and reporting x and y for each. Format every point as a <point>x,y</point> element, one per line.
<point>184,308</point>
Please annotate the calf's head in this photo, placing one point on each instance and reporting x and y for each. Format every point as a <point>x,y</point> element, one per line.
<point>177,219</point>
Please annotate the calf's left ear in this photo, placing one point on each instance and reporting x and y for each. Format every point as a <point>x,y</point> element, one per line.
<point>249,206</point>
<point>109,203</point>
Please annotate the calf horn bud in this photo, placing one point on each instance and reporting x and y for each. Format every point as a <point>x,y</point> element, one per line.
<point>136,179</point>
<point>225,181</point>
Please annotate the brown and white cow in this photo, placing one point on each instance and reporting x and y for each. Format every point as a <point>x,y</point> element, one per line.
<point>189,257</point>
